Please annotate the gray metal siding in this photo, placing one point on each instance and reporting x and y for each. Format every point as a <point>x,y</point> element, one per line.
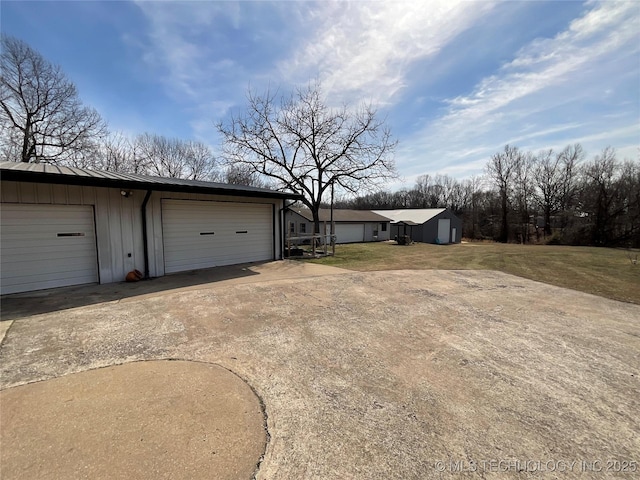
<point>428,231</point>
<point>118,221</point>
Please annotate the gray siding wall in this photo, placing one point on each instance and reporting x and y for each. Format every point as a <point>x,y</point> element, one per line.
<point>370,227</point>
<point>428,231</point>
<point>297,220</point>
<point>118,221</point>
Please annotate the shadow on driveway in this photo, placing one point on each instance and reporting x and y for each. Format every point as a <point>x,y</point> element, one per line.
<point>21,305</point>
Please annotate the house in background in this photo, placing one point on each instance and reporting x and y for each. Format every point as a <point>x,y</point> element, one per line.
<point>427,225</point>
<point>63,226</point>
<point>351,226</point>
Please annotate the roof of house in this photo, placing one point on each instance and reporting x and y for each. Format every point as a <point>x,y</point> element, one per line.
<point>47,173</point>
<point>342,215</point>
<point>415,216</point>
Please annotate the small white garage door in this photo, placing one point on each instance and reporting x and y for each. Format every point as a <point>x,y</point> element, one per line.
<point>203,234</point>
<point>46,246</point>
<point>349,232</point>
<point>444,228</point>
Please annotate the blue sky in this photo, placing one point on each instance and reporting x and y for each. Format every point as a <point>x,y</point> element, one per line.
<point>455,80</point>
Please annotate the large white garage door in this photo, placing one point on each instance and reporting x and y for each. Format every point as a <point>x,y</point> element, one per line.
<point>349,232</point>
<point>46,246</point>
<point>444,227</point>
<point>202,234</point>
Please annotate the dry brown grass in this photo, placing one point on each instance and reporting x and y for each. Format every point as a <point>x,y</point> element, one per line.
<point>601,271</point>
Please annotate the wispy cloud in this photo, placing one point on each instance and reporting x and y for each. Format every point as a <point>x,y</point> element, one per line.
<point>365,49</point>
<point>550,80</point>
<point>206,56</point>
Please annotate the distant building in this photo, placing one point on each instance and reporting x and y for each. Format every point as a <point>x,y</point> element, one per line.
<point>427,225</point>
<point>351,226</point>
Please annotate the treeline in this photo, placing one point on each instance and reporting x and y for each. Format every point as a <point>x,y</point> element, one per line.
<point>552,197</point>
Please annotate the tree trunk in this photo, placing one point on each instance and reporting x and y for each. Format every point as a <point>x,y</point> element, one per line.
<point>547,220</point>
<point>25,141</point>
<point>316,220</point>
<point>504,230</point>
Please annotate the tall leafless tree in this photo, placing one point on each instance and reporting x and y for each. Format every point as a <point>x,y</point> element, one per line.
<point>306,146</point>
<point>502,170</point>
<point>42,118</point>
<point>554,175</point>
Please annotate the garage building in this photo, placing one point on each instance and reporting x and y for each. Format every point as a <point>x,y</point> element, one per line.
<point>68,226</point>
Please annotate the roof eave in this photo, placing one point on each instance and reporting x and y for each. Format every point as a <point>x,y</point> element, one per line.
<point>52,178</point>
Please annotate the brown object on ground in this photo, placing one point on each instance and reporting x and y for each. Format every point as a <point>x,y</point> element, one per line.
<point>134,276</point>
<point>158,419</point>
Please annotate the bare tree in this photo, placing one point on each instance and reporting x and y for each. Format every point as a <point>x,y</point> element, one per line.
<point>601,202</point>
<point>472,188</point>
<point>243,175</point>
<point>174,158</point>
<point>523,193</point>
<point>118,154</point>
<point>42,117</point>
<point>502,170</point>
<point>306,146</point>
<point>554,176</point>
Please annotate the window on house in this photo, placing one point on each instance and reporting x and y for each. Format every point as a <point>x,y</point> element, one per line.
<point>384,227</point>
<point>303,228</point>
<point>292,227</point>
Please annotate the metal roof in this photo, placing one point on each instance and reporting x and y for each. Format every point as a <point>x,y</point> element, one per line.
<point>47,173</point>
<point>405,222</point>
<point>415,215</point>
<point>342,215</point>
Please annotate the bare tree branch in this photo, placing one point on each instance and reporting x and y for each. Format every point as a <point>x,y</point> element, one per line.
<point>42,119</point>
<point>307,147</point>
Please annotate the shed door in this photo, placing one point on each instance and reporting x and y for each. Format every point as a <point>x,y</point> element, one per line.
<point>46,246</point>
<point>203,234</point>
<point>444,227</point>
<point>349,232</point>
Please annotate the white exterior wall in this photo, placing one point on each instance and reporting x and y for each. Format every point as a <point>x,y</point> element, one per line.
<point>118,221</point>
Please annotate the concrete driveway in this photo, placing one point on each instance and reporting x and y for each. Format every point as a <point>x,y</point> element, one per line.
<point>405,374</point>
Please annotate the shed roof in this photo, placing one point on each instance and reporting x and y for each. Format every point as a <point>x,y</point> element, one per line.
<point>47,173</point>
<point>415,215</point>
<point>343,215</point>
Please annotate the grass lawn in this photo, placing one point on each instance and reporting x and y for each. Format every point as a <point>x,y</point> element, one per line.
<point>601,271</point>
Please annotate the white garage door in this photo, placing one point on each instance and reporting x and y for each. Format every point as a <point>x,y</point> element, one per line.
<point>349,232</point>
<point>46,246</point>
<point>444,227</point>
<point>202,234</point>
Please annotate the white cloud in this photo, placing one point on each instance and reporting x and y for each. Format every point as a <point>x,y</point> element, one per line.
<point>369,50</point>
<point>547,87</point>
<point>364,49</point>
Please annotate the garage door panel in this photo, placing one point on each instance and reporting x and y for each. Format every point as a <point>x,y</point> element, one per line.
<point>240,233</point>
<point>53,282</point>
<point>33,254</point>
<point>50,277</point>
<point>40,264</point>
<point>349,232</point>
<point>43,252</point>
